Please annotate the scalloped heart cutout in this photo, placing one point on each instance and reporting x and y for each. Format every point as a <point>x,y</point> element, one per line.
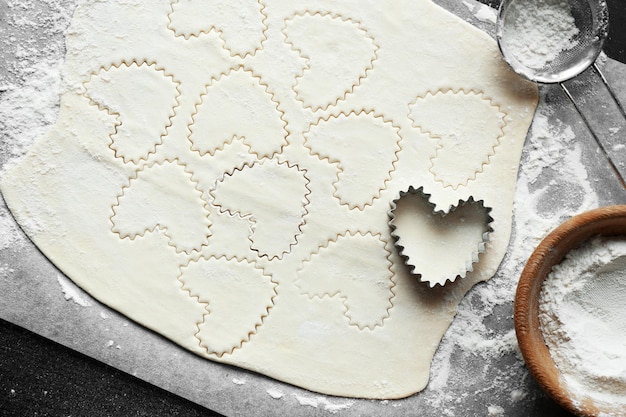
<point>274,228</point>
<point>237,298</point>
<point>243,36</point>
<point>476,135</point>
<point>320,38</point>
<point>182,214</point>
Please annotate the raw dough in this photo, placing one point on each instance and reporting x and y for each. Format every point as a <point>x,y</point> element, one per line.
<point>225,179</point>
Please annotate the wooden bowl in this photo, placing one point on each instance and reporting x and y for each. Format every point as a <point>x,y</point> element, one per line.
<point>606,221</point>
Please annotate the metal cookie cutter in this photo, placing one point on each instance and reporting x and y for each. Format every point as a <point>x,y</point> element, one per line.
<point>439,246</point>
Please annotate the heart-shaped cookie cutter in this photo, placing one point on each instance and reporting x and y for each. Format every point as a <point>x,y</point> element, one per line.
<point>431,222</point>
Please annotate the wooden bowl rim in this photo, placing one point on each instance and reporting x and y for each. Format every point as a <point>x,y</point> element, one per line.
<point>605,221</point>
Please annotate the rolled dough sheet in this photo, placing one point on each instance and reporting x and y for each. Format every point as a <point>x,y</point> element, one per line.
<point>221,173</point>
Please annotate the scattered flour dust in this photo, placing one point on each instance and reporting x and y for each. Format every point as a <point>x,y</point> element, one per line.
<point>323,402</point>
<point>32,50</point>
<point>274,393</point>
<point>72,292</point>
<point>111,343</point>
<point>619,147</point>
<point>537,31</point>
<point>10,234</point>
<point>480,349</point>
<point>486,14</point>
<point>31,53</point>
<point>495,410</point>
<point>581,310</point>
<point>482,12</point>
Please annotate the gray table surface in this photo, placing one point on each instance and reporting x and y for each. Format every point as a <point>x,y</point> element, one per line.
<point>490,380</point>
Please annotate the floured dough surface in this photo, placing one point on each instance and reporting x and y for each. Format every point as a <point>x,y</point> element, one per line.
<point>225,178</point>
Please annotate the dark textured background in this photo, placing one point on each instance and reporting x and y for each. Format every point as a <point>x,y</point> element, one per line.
<point>42,378</point>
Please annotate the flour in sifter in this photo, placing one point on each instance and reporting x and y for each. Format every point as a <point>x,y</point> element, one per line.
<point>539,31</point>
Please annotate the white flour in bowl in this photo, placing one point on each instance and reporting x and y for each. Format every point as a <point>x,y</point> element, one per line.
<point>581,311</point>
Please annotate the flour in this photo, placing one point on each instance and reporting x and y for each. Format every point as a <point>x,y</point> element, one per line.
<point>538,31</point>
<point>495,410</point>
<point>274,393</point>
<point>29,72</point>
<point>581,312</point>
<point>475,348</point>
<point>72,293</point>
<point>323,402</point>
<point>486,14</point>
<point>10,235</point>
<point>29,84</point>
<point>483,12</point>
<point>239,381</point>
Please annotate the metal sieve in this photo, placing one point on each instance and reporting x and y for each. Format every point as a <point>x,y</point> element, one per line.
<point>591,19</point>
<point>590,23</point>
